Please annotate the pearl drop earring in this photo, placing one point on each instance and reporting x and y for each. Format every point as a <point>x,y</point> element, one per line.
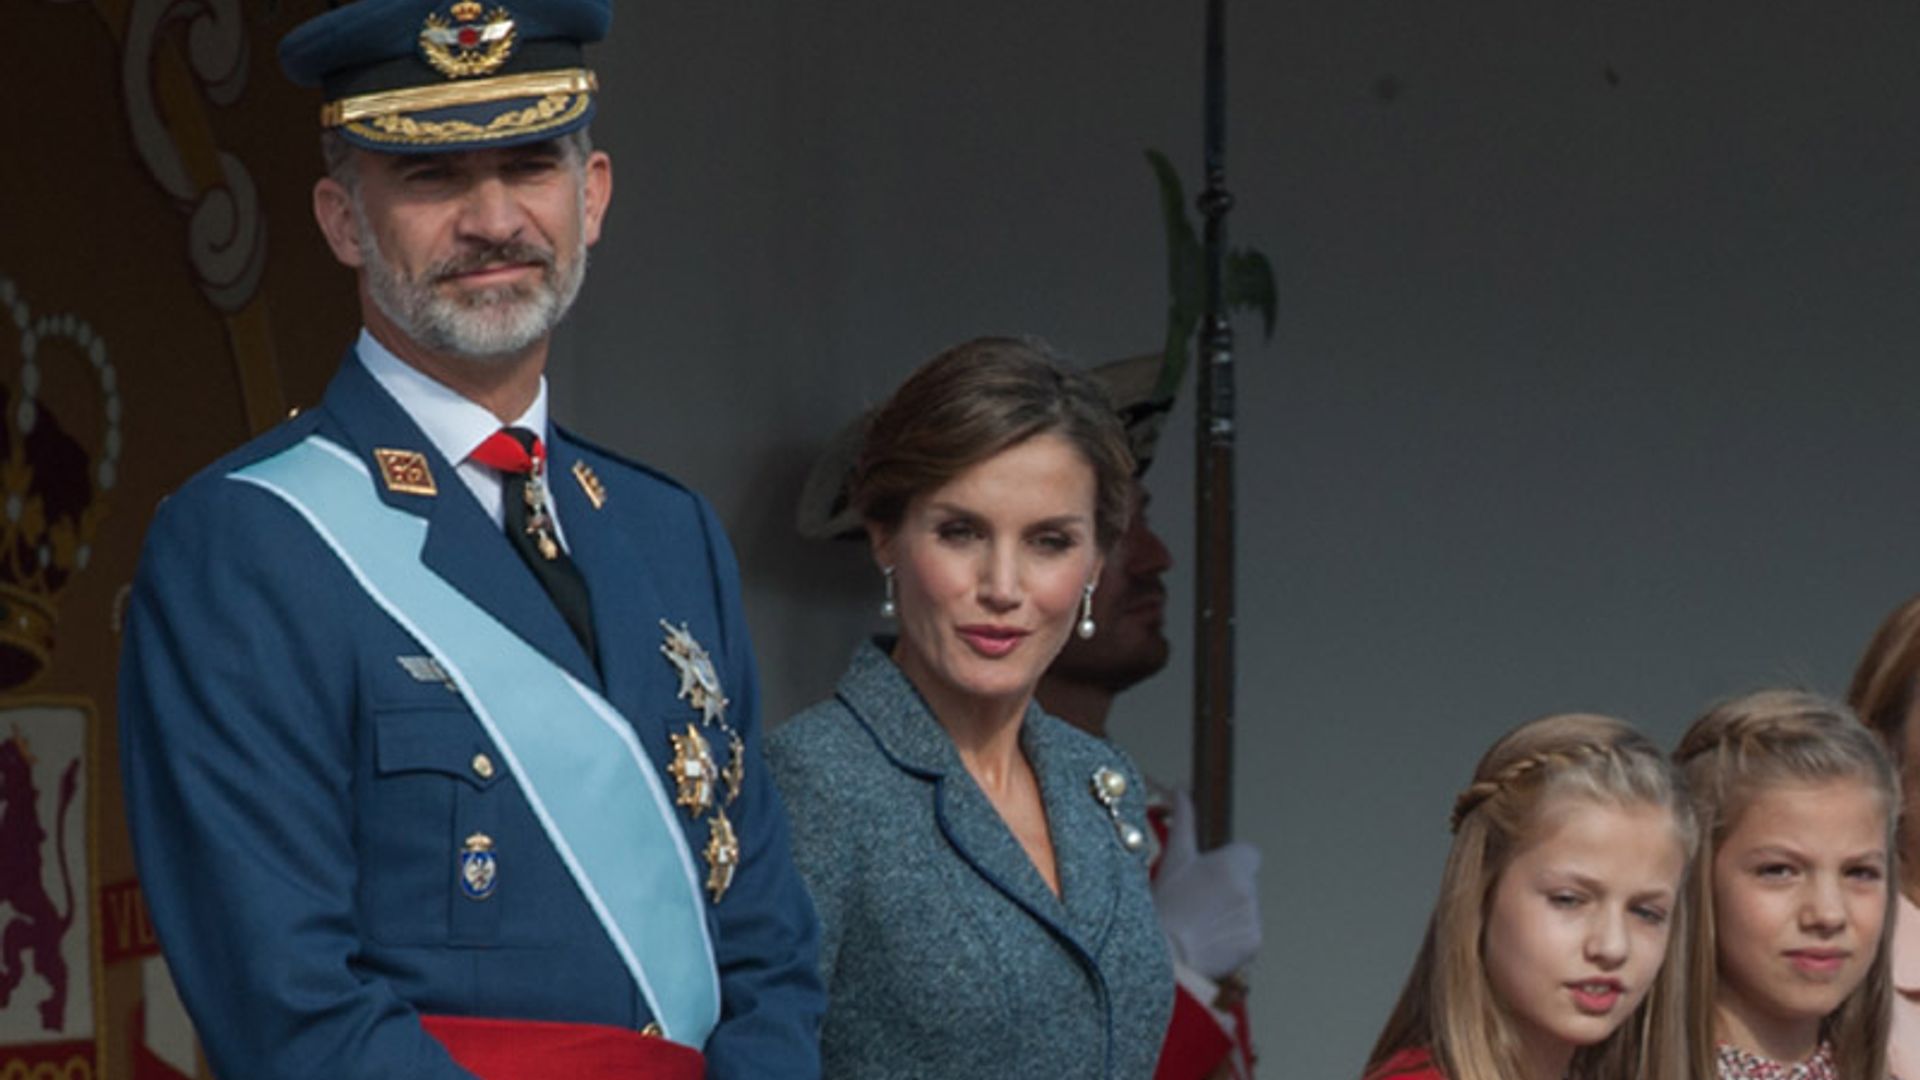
<point>1086,627</point>
<point>888,609</point>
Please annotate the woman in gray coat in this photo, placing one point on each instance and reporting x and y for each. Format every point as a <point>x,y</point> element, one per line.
<point>979,866</point>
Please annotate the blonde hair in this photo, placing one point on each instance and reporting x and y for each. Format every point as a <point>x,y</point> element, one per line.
<point>1448,1006</point>
<point>1737,750</point>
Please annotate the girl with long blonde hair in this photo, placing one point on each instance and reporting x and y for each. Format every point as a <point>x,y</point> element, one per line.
<point>1793,898</point>
<point>1553,950</point>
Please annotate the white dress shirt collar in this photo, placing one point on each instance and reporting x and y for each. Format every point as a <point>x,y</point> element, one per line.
<point>456,425</point>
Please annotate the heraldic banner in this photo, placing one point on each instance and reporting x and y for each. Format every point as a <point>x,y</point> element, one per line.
<point>164,295</point>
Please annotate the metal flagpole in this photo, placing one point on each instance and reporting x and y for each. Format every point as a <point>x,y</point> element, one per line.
<point>1213,482</point>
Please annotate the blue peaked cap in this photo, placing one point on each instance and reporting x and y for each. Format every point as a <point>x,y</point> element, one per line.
<point>431,76</point>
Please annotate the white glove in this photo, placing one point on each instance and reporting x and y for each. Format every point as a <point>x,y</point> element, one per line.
<point>1208,908</point>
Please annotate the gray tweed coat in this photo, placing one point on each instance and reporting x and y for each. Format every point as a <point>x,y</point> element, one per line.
<point>943,950</point>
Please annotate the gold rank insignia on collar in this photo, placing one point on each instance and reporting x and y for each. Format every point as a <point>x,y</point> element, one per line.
<point>589,483</point>
<point>722,854</point>
<point>406,472</point>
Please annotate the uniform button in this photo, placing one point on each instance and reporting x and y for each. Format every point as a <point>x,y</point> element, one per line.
<point>483,766</point>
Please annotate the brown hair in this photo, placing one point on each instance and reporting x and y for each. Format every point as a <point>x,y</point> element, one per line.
<point>975,400</point>
<point>1448,1006</point>
<point>1882,690</point>
<point>1738,749</point>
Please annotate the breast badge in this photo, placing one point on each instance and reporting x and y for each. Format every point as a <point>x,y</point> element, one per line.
<point>699,683</point>
<point>697,776</point>
<point>479,867</point>
<point>693,771</point>
<point>723,854</point>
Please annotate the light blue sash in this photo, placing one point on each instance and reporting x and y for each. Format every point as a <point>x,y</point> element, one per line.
<point>578,761</point>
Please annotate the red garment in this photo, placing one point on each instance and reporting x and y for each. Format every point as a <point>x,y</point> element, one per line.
<point>539,1050</point>
<point>1195,1044</point>
<point>1412,1064</point>
<point>1198,1044</point>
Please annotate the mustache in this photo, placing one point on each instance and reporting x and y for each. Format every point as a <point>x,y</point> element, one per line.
<point>482,257</point>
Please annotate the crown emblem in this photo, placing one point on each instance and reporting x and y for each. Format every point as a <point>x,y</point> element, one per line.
<point>53,484</point>
<point>471,44</point>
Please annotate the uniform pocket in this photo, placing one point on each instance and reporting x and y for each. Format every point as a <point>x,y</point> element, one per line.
<point>434,773</point>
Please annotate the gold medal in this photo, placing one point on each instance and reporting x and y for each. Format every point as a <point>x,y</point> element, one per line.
<point>692,771</point>
<point>723,854</point>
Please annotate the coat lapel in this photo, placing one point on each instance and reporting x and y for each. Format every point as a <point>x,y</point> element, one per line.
<point>627,609</point>
<point>463,545</point>
<point>887,703</point>
<point>1086,845</point>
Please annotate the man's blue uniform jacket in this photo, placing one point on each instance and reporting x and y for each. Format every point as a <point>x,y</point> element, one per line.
<point>299,799</point>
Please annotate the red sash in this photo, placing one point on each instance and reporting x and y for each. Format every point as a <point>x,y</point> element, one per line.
<point>540,1049</point>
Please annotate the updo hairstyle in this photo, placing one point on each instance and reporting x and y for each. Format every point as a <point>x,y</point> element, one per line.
<point>974,401</point>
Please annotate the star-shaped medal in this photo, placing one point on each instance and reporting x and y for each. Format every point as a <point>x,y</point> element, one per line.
<point>699,683</point>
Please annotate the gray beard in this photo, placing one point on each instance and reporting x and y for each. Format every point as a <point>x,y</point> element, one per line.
<point>488,325</point>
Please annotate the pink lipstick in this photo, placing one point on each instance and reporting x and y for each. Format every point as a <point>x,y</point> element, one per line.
<point>992,642</point>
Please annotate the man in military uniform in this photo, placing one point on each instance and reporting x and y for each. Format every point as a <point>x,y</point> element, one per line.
<point>438,723</point>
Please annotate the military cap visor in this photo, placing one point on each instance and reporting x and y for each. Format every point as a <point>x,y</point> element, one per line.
<point>417,76</point>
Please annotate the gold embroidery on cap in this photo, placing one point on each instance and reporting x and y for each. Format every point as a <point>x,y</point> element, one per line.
<point>447,95</point>
<point>549,113</point>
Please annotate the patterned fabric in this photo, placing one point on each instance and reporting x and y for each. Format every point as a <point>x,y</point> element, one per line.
<point>946,954</point>
<point>1903,1041</point>
<point>1737,1064</point>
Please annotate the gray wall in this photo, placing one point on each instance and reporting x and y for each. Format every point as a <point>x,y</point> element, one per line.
<point>1592,388</point>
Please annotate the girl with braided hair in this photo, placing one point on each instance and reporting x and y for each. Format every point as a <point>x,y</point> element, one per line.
<point>1789,958</point>
<point>1554,947</point>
